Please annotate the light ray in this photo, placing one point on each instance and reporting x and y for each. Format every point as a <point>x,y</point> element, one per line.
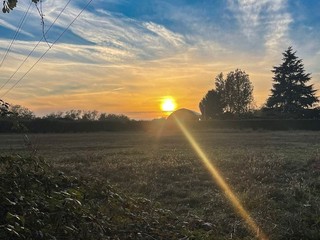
<point>222,184</point>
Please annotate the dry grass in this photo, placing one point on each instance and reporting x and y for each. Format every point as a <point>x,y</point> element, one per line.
<point>275,174</point>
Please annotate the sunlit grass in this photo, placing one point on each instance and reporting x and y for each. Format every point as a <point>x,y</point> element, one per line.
<point>220,181</point>
<point>275,174</point>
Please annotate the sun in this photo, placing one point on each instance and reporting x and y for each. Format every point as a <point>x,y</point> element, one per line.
<point>168,105</point>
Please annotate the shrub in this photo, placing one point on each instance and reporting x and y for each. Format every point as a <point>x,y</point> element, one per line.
<point>38,202</point>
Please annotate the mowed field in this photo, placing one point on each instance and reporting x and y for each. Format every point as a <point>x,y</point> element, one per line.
<point>276,175</point>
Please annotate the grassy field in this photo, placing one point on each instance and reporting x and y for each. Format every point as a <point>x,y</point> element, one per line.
<point>276,175</point>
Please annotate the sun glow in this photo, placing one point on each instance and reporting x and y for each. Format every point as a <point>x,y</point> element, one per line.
<point>218,178</point>
<point>168,105</point>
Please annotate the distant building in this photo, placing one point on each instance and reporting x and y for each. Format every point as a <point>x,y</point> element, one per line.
<point>184,115</point>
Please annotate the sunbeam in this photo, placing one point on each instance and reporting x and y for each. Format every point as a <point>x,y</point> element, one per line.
<point>222,184</point>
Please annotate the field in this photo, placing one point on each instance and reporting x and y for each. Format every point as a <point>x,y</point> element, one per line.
<point>276,175</point>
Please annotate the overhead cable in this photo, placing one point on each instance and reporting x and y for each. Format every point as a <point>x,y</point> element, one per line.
<point>65,30</point>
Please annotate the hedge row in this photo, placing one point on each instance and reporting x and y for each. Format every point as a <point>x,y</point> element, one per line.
<point>267,124</point>
<point>65,126</point>
<point>59,126</point>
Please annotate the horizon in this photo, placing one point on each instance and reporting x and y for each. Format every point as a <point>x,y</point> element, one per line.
<point>124,57</point>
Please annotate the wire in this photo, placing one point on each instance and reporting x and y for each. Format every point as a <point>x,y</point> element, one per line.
<point>22,21</point>
<point>42,21</point>
<point>65,30</point>
<point>23,62</point>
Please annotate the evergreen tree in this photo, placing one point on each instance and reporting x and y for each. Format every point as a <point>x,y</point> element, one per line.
<point>290,94</point>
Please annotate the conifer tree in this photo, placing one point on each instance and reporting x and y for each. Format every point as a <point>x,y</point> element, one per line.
<point>290,92</point>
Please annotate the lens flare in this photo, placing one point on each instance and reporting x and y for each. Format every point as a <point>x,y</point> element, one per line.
<point>222,184</point>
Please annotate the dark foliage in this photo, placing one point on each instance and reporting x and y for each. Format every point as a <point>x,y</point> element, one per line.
<point>37,202</point>
<point>290,94</point>
<point>76,115</point>
<point>277,113</point>
<point>11,4</point>
<point>4,108</point>
<point>211,106</point>
<point>18,112</point>
<point>66,126</point>
<point>227,122</point>
<point>263,124</point>
<point>113,118</point>
<point>235,91</point>
<point>232,96</point>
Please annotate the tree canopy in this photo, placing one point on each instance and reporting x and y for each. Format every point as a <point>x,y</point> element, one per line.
<point>290,92</point>
<point>4,108</point>
<point>20,112</point>
<point>210,106</point>
<point>231,95</point>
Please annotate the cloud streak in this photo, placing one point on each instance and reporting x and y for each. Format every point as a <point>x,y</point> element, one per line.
<point>110,60</point>
<point>265,21</point>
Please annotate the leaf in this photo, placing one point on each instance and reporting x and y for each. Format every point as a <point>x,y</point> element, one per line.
<point>12,217</point>
<point>11,230</point>
<point>9,202</point>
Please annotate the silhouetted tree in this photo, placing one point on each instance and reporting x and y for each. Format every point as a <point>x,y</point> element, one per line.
<point>20,112</point>
<point>113,117</point>
<point>90,115</point>
<point>290,94</point>
<point>210,106</point>
<point>4,108</point>
<point>73,114</point>
<point>54,115</point>
<point>235,92</point>
<point>11,4</point>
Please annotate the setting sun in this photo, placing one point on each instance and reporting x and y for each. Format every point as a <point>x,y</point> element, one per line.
<point>168,105</point>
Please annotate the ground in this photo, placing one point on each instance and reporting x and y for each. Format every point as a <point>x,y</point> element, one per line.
<point>276,175</point>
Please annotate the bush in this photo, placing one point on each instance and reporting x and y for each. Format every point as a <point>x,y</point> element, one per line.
<point>37,202</point>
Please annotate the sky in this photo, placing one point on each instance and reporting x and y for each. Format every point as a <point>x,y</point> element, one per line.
<point>126,56</point>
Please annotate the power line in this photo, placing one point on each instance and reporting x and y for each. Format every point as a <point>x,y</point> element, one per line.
<point>22,21</point>
<point>42,21</point>
<point>23,62</point>
<point>65,30</point>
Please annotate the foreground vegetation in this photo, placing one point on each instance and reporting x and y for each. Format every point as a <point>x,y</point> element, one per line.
<point>275,174</point>
<point>37,202</point>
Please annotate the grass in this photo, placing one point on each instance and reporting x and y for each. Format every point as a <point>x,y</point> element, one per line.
<point>275,174</point>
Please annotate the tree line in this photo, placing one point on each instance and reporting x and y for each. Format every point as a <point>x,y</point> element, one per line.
<point>291,96</point>
<point>18,112</point>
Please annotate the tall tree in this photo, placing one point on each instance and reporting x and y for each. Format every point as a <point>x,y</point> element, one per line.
<point>231,95</point>
<point>290,92</point>
<point>210,106</point>
<point>235,91</point>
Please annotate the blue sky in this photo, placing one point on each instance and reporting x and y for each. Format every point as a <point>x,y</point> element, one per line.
<point>124,56</point>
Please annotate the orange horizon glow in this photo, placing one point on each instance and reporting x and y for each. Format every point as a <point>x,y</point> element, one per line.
<point>126,64</point>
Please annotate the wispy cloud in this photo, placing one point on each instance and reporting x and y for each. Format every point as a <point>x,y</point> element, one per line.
<point>7,25</point>
<point>112,62</point>
<point>265,21</point>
